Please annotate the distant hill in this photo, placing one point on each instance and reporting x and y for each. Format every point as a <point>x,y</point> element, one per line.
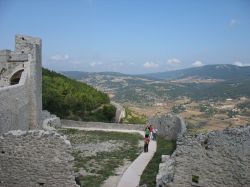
<point>221,71</point>
<point>79,75</point>
<point>214,82</point>
<point>70,99</point>
<point>107,81</point>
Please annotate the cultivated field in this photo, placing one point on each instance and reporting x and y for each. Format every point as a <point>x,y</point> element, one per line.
<point>203,116</point>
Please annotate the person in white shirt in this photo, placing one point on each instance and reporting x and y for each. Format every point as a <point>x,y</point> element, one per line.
<point>154,133</point>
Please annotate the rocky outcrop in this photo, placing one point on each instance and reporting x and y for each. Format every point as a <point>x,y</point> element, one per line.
<point>219,158</point>
<point>35,158</point>
<point>169,126</point>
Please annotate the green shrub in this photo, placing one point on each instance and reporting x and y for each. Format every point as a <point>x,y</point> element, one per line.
<point>133,118</point>
<point>70,99</point>
<point>109,111</point>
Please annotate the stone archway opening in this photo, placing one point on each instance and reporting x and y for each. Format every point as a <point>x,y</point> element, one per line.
<point>16,77</point>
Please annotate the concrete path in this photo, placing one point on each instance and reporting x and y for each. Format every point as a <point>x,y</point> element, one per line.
<point>131,177</point>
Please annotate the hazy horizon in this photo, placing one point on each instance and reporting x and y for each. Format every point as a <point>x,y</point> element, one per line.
<point>132,37</point>
<point>142,73</point>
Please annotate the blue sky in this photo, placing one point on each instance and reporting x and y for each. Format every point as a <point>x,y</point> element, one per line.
<point>131,36</point>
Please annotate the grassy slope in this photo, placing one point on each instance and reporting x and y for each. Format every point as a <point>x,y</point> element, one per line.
<point>164,147</point>
<point>132,117</point>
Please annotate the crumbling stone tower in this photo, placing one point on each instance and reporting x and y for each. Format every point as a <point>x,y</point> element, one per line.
<point>36,157</point>
<point>21,85</point>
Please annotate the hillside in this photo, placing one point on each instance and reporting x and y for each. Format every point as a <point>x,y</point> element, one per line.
<point>234,83</point>
<point>79,75</point>
<point>220,71</point>
<point>70,99</point>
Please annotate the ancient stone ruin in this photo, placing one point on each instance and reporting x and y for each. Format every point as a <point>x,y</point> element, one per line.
<point>21,85</point>
<point>29,156</point>
<point>33,154</point>
<point>219,158</point>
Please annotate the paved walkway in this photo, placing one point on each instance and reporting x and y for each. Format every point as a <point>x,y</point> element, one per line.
<point>131,177</point>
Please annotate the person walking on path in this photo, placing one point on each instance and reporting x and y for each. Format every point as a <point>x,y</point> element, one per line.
<point>154,133</point>
<point>151,131</point>
<point>147,131</point>
<point>146,142</point>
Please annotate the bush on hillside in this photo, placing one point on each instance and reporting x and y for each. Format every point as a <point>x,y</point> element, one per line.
<point>70,99</point>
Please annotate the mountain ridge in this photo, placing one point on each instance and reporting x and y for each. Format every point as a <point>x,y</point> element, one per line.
<point>214,71</point>
<point>144,90</point>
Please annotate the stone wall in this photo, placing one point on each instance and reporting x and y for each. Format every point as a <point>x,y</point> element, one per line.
<point>10,62</point>
<point>102,125</point>
<point>33,47</point>
<point>219,158</point>
<point>120,112</point>
<point>21,104</point>
<point>14,102</point>
<point>35,158</point>
<point>169,125</point>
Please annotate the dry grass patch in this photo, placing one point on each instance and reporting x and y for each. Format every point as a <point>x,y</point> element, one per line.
<point>109,150</point>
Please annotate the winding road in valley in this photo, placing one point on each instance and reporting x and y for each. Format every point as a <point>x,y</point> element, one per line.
<point>131,177</point>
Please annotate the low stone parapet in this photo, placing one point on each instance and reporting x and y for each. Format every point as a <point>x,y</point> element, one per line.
<point>102,125</point>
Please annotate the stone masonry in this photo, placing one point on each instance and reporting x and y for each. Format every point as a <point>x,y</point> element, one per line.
<point>35,158</point>
<point>21,85</point>
<point>29,156</point>
<point>219,158</point>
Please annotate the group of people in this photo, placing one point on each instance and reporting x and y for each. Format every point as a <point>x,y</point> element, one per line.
<point>150,133</point>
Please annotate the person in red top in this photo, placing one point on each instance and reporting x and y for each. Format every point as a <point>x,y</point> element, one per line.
<point>151,131</point>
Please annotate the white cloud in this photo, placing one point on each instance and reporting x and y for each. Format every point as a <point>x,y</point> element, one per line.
<point>93,64</point>
<point>59,57</point>
<point>197,63</point>
<point>173,62</point>
<point>233,23</point>
<point>241,64</point>
<point>151,65</point>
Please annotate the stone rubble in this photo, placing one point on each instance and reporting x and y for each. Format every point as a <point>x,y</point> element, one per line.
<point>218,158</point>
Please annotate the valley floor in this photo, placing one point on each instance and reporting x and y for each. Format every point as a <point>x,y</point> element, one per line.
<point>203,116</point>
